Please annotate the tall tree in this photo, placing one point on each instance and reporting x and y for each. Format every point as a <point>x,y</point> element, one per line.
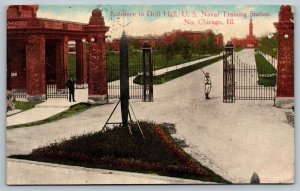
<point>169,52</point>
<point>211,43</point>
<point>203,46</point>
<point>183,46</point>
<point>269,44</point>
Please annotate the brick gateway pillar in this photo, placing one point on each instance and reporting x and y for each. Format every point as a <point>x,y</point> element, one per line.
<point>81,65</point>
<point>35,64</point>
<point>62,62</point>
<point>45,44</point>
<point>285,75</point>
<point>97,81</point>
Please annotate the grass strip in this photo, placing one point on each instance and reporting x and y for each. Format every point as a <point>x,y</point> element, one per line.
<point>135,64</point>
<point>161,62</point>
<point>25,105</point>
<point>163,78</point>
<point>267,74</point>
<point>73,110</point>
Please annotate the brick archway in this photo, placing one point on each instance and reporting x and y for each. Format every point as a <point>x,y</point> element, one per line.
<point>44,42</point>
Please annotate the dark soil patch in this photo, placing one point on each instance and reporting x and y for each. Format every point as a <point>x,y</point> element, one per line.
<point>290,118</point>
<point>116,149</point>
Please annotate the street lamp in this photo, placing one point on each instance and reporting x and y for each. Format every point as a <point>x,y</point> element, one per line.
<point>270,35</point>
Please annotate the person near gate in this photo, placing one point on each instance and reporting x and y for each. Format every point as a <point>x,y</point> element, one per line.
<point>71,87</point>
<point>208,85</point>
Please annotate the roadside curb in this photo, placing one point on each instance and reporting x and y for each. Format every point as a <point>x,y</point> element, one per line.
<point>132,175</point>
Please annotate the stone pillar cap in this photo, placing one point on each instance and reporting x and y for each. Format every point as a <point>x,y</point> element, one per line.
<point>97,18</point>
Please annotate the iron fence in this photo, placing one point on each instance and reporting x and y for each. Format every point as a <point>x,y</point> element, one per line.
<point>19,93</point>
<point>53,92</point>
<point>113,75</point>
<point>255,81</point>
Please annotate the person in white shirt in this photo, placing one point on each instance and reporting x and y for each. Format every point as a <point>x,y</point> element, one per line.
<point>208,85</point>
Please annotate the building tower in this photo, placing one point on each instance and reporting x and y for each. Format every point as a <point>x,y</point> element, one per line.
<point>249,42</point>
<point>251,28</point>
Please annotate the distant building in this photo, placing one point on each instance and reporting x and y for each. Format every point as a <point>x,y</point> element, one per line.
<point>167,38</point>
<point>194,36</point>
<point>137,40</point>
<point>249,42</point>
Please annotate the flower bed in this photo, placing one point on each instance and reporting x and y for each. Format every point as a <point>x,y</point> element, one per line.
<point>117,150</point>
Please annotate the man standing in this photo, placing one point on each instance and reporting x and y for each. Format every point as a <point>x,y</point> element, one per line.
<point>71,86</point>
<point>208,86</point>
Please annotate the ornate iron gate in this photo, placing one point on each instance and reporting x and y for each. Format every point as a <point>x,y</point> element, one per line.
<point>256,81</point>
<point>113,74</point>
<point>140,71</point>
<point>55,86</point>
<point>244,81</point>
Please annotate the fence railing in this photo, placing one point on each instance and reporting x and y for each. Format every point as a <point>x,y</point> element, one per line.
<point>113,73</point>
<point>53,92</point>
<point>255,81</point>
<point>19,93</point>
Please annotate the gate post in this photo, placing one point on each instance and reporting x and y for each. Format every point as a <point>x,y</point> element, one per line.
<point>81,65</point>
<point>35,64</point>
<point>228,74</point>
<point>97,79</point>
<point>147,73</point>
<point>62,62</point>
<point>285,74</point>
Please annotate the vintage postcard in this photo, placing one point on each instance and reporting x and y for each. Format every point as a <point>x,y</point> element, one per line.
<point>150,94</point>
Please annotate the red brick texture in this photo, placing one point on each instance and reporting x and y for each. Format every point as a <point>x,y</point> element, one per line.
<point>97,68</point>
<point>38,52</point>
<point>81,65</point>
<point>97,57</point>
<point>16,70</point>
<point>35,65</point>
<point>285,29</point>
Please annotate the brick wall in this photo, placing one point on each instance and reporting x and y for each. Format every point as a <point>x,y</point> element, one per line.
<point>285,29</point>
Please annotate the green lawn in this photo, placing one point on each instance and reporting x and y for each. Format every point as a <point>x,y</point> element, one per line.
<point>116,149</point>
<point>266,72</point>
<point>161,62</point>
<point>135,63</point>
<point>25,105</point>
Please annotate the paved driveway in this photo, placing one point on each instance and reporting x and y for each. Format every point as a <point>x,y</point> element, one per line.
<point>234,140</point>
